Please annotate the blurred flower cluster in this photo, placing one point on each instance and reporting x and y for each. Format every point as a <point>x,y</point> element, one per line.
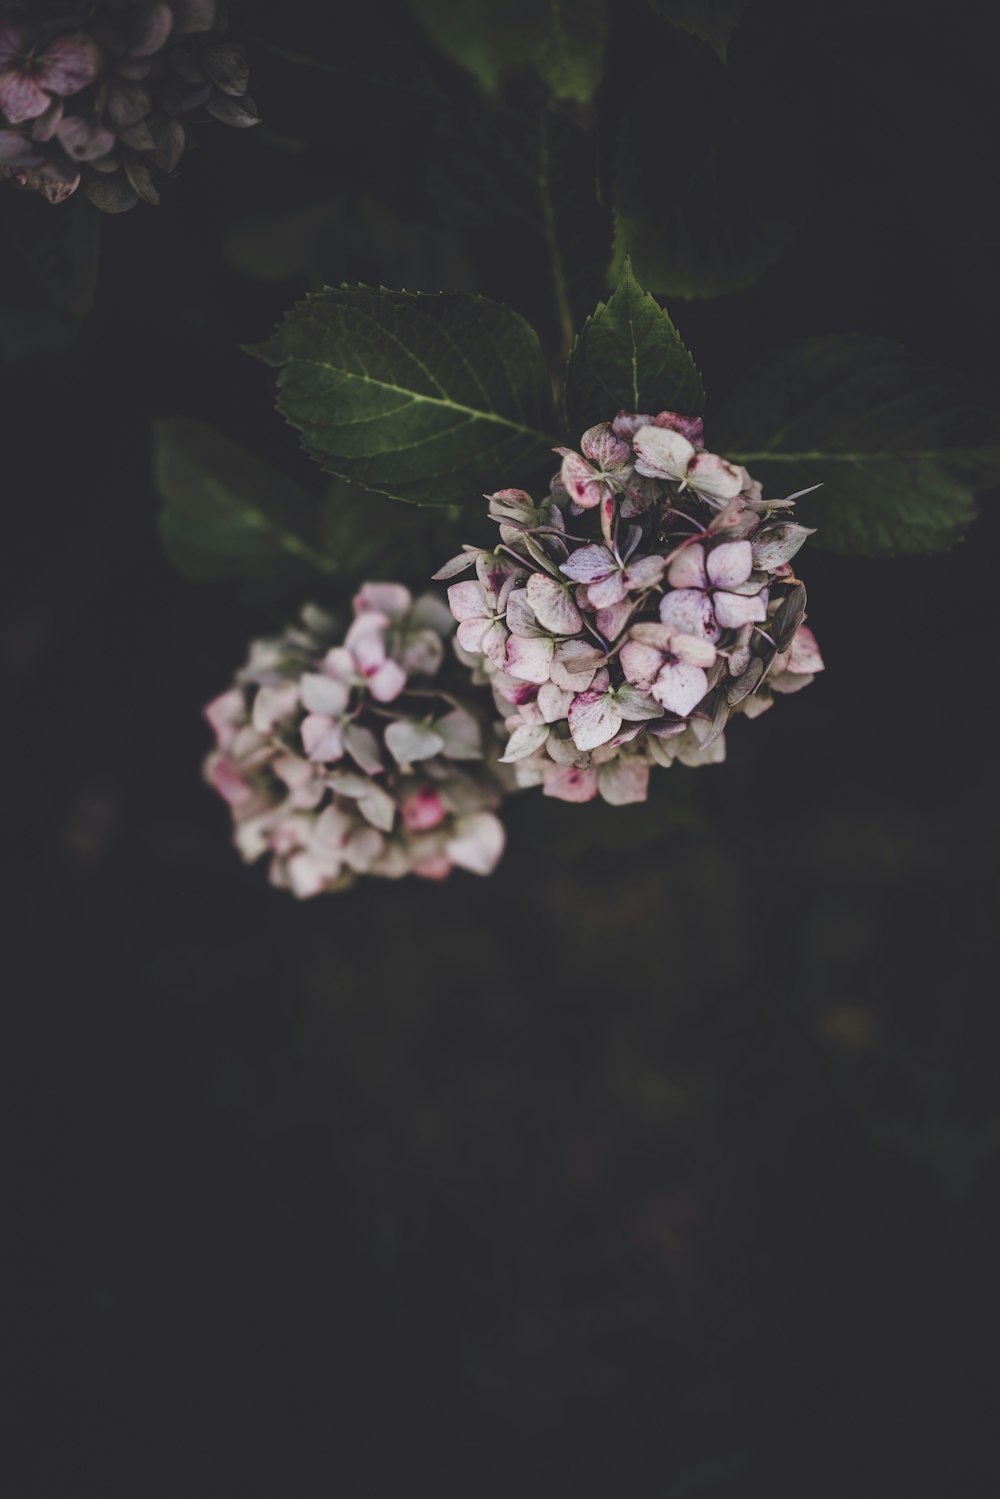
<point>104,93</point>
<point>347,755</point>
<point>629,640</point>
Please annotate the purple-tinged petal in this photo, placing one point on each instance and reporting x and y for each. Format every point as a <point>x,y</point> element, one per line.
<point>604,448</point>
<point>529,660</point>
<point>386,682</point>
<point>69,63</point>
<point>690,611</point>
<point>589,564</point>
<point>691,427</point>
<point>526,738</point>
<point>17,150</point>
<point>13,43</point>
<point>494,642</point>
<point>687,568</point>
<point>553,702</point>
<point>21,98</point>
<point>510,690</point>
<point>627,423</point>
<point>574,664</point>
<point>640,663</point>
<point>471,633</point>
<point>454,566</point>
<point>612,621</point>
<point>714,478</point>
<point>322,739</point>
<point>520,616</point>
<point>608,592</point>
<point>693,649</point>
<point>552,605</point>
<point>82,140</point>
<point>569,784</point>
<point>581,481</point>
<point>594,718</point>
<point>468,601</point>
<point>730,564</point>
<point>662,454</point>
<point>422,810</point>
<point>390,599</point>
<point>680,687</point>
<point>803,653</point>
<point>623,782</point>
<point>733,609</point>
<point>407,741</point>
<point>645,572</point>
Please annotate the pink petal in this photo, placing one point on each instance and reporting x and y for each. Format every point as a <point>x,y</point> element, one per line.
<point>553,702</point>
<point>552,605</point>
<point>69,63</point>
<point>589,564</point>
<point>803,653</point>
<point>662,454</point>
<point>21,98</point>
<point>225,713</point>
<point>574,664</point>
<point>582,484</point>
<point>627,423</point>
<point>602,447</point>
<point>224,778</point>
<point>607,592</point>
<point>593,719</point>
<point>645,572</point>
<point>470,634</point>
<point>714,478</point>
<point>321,738</point>
<point>687,568</point>
<point>529,660</point>
<point>422,810</point>
<point>612,621</point>
<point>387,682</point>
<point>468,601</point>
<point>391,599</point>
<point>640,663</point>
<point>733,609</point>
<point>680,687</point>
<point>494,643</point>
<point>691,427</point>
<point>691,612</point>
<point>623,782</point>
<point>569,784</point>
<point>693,649</point>
<point>730,564</point>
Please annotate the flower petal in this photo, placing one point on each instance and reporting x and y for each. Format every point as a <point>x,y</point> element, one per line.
<point>690,611</point>
<point>687,568</point>
<point>526,738</point>
<point>322,694</point>
<point>589,564</point>
<point>387,682</point>
<point>612,620</point>
<point>623,782</point>
<point>470,635</point>
<point>733,609</point>
<point>552,605</point>
<point>69,63</point>
<point>691,427</point>
<point>777,545</point>
<point>640,663</point>
<point>714,478</point>
<point>407,741</point>
<point>594,718</point>
<point>574,664</point>
<point>680,687</point>
<point>553,702</point>
<point>636,706</point>
<point>390,599</point>
<point>580,480</point>
<point>603,448</point>
<point>730,564</point>
<point>645,572</point>
<point>454,566</point>
<point>803,653</point>
<point>569,784</point>
<point>322,739</point>
<point>608,592</point>
<point>477,842</point>
<point>362,746</point>
<point>422,809</point>
<point>529,660</point>
<point>468,601</point>
<point>21,98</point>
<point>662,454</point>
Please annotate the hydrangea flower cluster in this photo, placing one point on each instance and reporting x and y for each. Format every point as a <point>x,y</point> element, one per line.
<point>629,640</point>
<point>100,93</point>
<point>347,756</point>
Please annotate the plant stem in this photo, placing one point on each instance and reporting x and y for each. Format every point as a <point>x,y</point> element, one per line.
<point>564,311</point>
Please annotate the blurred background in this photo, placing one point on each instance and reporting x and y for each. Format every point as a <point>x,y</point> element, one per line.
<point>665,1162</point>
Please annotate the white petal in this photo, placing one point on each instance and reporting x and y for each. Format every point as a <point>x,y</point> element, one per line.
<point>377,807</point>
<point>661,453</point>
<point>640,663</point>
<point>593,719</point>
<point>529,660</point>
<point>690,611</point>
<point>468,601</point>
<point>645,572</point>
<point>494,641</point>
<point>407,741</point>
<point>693,649</point>
<point>552,605</point>
<point>321,738</point>
<point>526,738</point>
<point>391,599</point>
<point>553,702</point>
<point>612,621</point>
<point>477,842</point>
<point>589,564</point>
<point>687,569</point>
<point>730,564</point>
<point>680,687</point>
<point>461,735</point>
<point>470,634</point>
<point>574,664</point>
<point>607,592</point>
<point>623,782</point>
<point>363,748</point>
<point>733,609</point>
<point>714,478</point>
<point>322,694</point>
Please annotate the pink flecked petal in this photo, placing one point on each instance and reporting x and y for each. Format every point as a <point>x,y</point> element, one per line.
<point>733,609</point>
<point>408,742</point>
<point>645,572</point>
<point>69,63</point>
<point>390,599</point>
<point>714,478</point>
<point>730,564</point>
<point>608,592</point>
<point>574,664</point>
<point>454,566</point>
<point>623,782</point>
<point>470,635</point>
<point>520,615</point>
<point>580,480</point>
<point>387,682</point>
<point>594,718</point>
<point>553,702</point>
<point>640,663</point>
<point>662,454</point>
<point>691,427</point>
<point>604,448</point>
<point>423,809</point>
<point>687,568</point>
<point>526,738</point>
<point>322,694</point>
<point>627,423</point>
<point>690,611</point>
<point>494,643</point>
<point>612,621</point>
<point>589,564</point>
<point>21,98</point>
<point>322,739</point>
<point>508,690</point>
<point>569,784</point>
<point>468,601</point>
<point>693,649</point>
<point>680,687</point>
<point>803,653</point>
<point>529,660</point>
<point>477,842</point>
<point>552,605</point>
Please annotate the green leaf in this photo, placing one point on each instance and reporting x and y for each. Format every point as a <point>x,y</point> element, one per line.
<point>629,357</point>
<point>430,399</point>
<point>900,447</point>
<point>229,516</point>
<point>562,40</point>
<point>713,21</point>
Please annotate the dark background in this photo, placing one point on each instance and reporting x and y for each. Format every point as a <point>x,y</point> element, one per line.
<point>664,1163</point>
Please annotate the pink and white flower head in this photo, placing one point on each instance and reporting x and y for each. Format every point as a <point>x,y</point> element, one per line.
<point>624,620</point>
<point>347,757</point>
